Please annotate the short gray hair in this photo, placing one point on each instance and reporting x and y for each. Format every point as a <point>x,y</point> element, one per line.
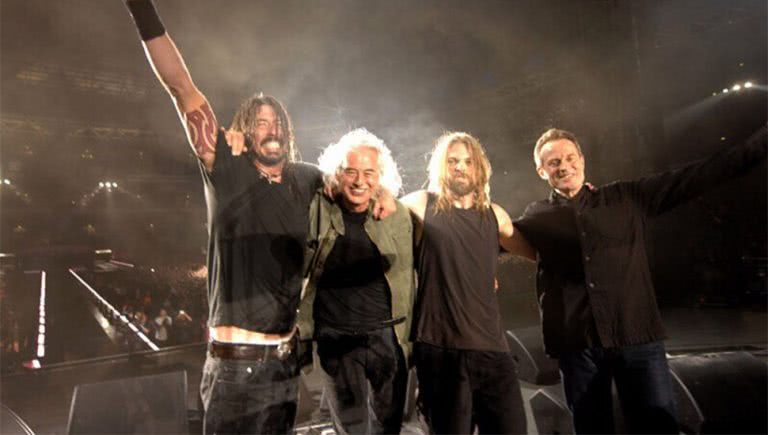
<point>550,135</point>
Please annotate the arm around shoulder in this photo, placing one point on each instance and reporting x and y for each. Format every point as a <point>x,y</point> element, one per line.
<point>510,239</point>
<point>416,203</point>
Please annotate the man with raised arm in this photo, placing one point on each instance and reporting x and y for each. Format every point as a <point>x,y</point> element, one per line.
<point>466,372</point>
<point>598,306</point>
<point>359,299</point>
<point>257,221</point>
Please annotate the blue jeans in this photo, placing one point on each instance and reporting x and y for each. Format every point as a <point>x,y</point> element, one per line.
<point>643,383</point>
<point>249,397</point>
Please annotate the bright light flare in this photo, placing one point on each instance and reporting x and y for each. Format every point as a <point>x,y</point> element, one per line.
<point>114,311</point>
<point>41,323</point>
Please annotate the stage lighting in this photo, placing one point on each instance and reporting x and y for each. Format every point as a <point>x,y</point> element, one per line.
<point>725,90</point>
<point>101,184</point>
<point>736,87</point>
<point>114,184</point>
<point>748,84</point>
<point>6,181</point>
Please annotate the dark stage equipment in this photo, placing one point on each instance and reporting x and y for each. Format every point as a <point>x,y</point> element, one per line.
<point>550,411</point>
<point>721,392</point>
<point>12,424</point>
<point>715,393</point>
<point>155,404</point>
<point>533,365</point>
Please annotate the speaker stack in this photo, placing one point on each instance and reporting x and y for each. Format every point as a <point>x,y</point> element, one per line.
<point>548,406</point>
<point>721,392</point>
<point>155,404</point>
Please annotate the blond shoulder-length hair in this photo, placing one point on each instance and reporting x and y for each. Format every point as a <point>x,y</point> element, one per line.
<point>438,171</point>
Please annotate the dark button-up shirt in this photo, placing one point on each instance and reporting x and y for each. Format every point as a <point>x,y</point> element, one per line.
<point>594,284</point>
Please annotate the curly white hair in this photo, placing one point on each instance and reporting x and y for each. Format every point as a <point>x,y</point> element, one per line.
<point>333,159</point>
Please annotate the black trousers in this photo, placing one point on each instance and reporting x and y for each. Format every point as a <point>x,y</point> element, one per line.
<point>461,389</point>
<point>367,379</point>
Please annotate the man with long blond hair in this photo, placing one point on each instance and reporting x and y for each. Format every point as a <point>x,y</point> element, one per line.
<point>465,370</point>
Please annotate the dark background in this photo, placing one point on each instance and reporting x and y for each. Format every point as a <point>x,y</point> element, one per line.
<point>633,79</point>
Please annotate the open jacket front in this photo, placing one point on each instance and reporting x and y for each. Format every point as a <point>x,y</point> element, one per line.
<point>393,237</point>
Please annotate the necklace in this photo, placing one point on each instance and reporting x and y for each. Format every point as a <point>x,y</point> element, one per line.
<point>271,178</point>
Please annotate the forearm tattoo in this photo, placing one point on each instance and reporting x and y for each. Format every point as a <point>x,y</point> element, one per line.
<point>201,125</point>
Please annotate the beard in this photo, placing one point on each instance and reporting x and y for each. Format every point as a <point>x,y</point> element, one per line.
<point>270,158</point>
<point>460,186</point>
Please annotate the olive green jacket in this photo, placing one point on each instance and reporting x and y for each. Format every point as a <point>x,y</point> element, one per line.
<point>393,236</point>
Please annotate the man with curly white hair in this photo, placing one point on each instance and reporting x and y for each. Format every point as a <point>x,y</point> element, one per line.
<point>359,299</point>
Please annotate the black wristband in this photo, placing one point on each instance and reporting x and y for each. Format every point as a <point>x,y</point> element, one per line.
<point>145,16</point>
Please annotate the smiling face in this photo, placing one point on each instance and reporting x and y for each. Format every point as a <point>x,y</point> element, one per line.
<point>562,166</point>
<point>267,142</point>
<point>358,179</point>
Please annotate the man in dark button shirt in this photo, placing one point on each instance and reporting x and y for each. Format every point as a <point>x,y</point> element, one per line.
<point>257,221</point>
<point>359,298</point>
<point>598,306</point>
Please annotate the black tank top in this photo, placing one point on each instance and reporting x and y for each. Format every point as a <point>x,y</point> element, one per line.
<point>458,256</point>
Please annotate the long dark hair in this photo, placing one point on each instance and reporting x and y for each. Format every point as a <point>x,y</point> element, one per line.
<point>244,120</point>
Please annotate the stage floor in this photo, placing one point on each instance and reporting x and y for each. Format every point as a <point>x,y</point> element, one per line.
<point>42,398</point>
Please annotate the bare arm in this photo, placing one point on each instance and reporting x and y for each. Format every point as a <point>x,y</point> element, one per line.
<point>416,202</point>
<point>512,241</point>
<point>194,111</point>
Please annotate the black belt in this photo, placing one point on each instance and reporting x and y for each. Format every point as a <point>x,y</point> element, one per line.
<point>362,328</point>
<point>252,352</point>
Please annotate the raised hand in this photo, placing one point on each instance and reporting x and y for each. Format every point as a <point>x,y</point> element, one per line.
<point>236,140</point>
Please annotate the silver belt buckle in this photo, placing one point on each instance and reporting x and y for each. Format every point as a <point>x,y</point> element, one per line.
<point>283,350</point>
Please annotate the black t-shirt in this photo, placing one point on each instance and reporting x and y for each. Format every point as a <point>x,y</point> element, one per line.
<point>352,292</point>
<point>257,233</point>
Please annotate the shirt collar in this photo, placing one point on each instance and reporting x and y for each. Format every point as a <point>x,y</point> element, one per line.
<point>558,199</point>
